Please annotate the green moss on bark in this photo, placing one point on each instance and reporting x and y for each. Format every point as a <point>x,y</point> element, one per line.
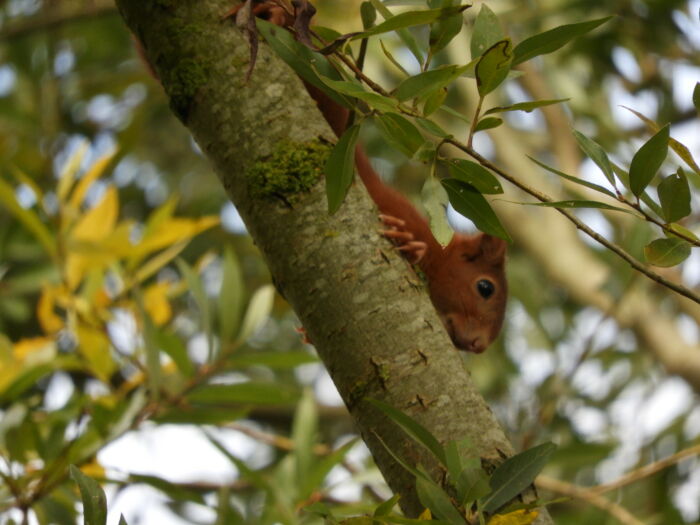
<point>291,170</point>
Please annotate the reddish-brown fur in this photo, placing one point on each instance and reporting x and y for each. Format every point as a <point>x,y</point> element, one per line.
<point>466,278</point>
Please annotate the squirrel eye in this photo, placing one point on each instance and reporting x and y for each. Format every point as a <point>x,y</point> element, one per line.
<point>485,288</point>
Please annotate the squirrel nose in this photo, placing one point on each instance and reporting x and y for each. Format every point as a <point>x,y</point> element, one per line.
<point>476,344</point>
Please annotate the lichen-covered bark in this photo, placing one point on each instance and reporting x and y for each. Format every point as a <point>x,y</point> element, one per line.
<point>367,314</point>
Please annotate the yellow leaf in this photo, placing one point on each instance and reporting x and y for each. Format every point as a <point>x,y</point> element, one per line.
<point>94,346</point>
<point>156,303</point>
<point>9,366</point>
<point>95,171</point>
<point>171,232</point>
<point>69,171</point>
<point>156,262</point>
<point>426,515</point>
<point>49,321</point>
<point>518,517</point>
<point>34,350</point>
<point>98,222</point>
<point>93,470</point>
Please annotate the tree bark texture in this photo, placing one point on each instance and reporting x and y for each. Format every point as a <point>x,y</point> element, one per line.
<point>360,303</point>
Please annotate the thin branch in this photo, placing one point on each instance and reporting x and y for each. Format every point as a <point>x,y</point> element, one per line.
<point>619,251</point>
<point>589,496</point>
<point>647,470</point>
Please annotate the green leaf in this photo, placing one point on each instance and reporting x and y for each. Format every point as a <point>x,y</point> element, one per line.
<point>431,127</point>
<point>488,123</point>
<point>553,39</point>
<point>300,58</point>
<point>202,414</point>
<point>576,180</point>
<point>433,101</point>
<point>515,474</point>
<point>410,19</point>
<point>122,520</point>
<point>93,497</point>
<point>435,202</point>
<point>404,34</point>
<point>321,468</point>
<point>400,133</point>
<point>173,346</point>
<point>152,356</point>
<point>385,508</point>
<point>467,200</point>
<point>231,296</point>
<point>681,150</point>
<point>357,90</point>
<point>667,252</point>
<point>340,168</point>
<point>443,32</point>
<point>597,155</point>
<point>472,483</point>
<point>674,195</point>
<point>173,490</point>
<point>475,175</point>
<point>304,431</point>
<point>486,32</point>
<point>434,497</point>
<point>493,66</point>
<point>414,429</point>
<point>647,161</point>
<point>423,84</point>
<point>696,96</point>
<point>275,360</point>
<point>250,392</point>
<point>368,14</point>
<point>525,106</point>
<point>258,311</point>
<point>196,288</point>
<point>27,218</point>
<point>578,203</point>
<point>427,153</point>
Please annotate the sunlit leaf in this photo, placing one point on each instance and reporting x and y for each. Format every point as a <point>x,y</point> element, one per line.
<point>258,311</point>
<point>156,302</point>
<point>667,252</point>
<point>340,168</point>
<point>99,221</point>
<point>70,170</point>
<point>95,171</point>
<point>515,474</point>
<point>517,517</point>
<point>231,296</point>
<point>647,161</point>
<point>94,345</point>
<point>45,310</point>
<point>553,39</point>
<point>469,202</point>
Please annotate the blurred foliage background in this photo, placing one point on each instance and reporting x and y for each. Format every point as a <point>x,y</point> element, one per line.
<point>138,329</point>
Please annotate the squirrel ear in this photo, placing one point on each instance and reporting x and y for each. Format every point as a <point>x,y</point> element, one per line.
<point>492,248</point>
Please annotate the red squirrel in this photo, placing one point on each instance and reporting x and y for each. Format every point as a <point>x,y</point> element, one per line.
<point>466,278</point>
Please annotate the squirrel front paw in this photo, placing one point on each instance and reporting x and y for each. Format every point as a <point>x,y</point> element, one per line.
<point>412,250</point>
